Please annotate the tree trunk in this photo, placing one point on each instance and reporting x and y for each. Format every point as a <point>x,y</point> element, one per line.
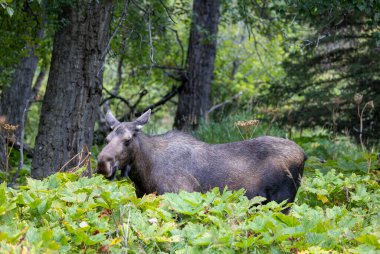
<point>194,97</point>
<point>15,100</point>
<point>74,86</point>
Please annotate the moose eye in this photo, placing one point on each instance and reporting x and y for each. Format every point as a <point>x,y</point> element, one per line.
<point>127,142</point>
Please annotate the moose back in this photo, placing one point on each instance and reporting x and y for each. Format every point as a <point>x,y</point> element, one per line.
<point>266,166</point>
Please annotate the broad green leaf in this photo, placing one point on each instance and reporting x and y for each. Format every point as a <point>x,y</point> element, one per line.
<point>370,240</point>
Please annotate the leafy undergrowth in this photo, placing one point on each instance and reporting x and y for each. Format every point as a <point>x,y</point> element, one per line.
<point>65,213</point>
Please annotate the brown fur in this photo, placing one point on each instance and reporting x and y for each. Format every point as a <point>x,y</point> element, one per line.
<point>267,166</point>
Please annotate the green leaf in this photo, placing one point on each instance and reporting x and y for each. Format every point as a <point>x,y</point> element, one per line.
<point>10,11</point>
<point>3,198</point>
<point>370,240</point>
<point>44,206</point>
<point>289,220</point>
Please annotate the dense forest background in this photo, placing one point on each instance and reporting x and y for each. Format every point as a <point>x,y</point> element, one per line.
<point>292,64</point>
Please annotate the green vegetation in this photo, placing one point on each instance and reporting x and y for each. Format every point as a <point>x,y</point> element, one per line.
<point>307,70</point>
<point>336,210</point>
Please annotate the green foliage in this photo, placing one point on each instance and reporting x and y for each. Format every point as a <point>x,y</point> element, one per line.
<point>4,4</point>
<point>149,47</point>
<point>246,62</point>
<point>70,214</point>
<point>334,61</point>
<point>333,213</point>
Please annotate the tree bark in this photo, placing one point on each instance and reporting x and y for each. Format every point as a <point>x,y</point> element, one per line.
<point>74,86</point>
<point>15,100</point>
<point>194,97</point>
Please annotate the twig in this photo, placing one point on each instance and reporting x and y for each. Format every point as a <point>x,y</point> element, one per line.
<point>180,45</point>
<point>22,133</point>
<point>17,145</point>
<point>85,161</point>
<point>113,35</point>
<point>139,7</point>
<point>225,102</point>
<point>167,11</point>
<point>115,96</point>
<point>259,56</point>
<point>151,55</point>
<point>246,19</point>
<point>67,163</point>
<point>141,95</point>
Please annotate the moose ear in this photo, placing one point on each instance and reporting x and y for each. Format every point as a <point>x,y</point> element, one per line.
<point>142,120</point>
<point>111,120</point>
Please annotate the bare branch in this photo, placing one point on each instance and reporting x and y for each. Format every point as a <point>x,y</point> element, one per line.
<point>113,34</point>
<point>141,95</point>
<point>151,55</point>
<point>22,134</point>
<point>167,11</point>
<point>259,56</point>
<point>215,107</point>
<point>28,151</point>
<point>139,7</point>
<point>163,100</point>
<point>114,96</point>
<point>180,45</point>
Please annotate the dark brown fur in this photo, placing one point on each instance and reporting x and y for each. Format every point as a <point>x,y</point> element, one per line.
<point>266,166</point>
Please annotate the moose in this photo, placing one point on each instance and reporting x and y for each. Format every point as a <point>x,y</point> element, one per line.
<point>266,166</point>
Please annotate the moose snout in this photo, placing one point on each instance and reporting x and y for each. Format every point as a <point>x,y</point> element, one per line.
<point>106,165</point>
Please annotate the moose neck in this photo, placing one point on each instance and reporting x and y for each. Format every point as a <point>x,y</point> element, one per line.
<point>141,163</point>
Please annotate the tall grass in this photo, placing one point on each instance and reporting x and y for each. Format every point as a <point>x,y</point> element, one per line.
<point>226,131</point>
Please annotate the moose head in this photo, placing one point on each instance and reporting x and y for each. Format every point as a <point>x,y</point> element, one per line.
<point>120,143</point>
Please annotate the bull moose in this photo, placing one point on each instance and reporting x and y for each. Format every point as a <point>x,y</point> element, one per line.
<point>265,166</point>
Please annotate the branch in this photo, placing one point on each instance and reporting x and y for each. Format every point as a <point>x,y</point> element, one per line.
<point>163,100</point>
<point>215,107</point>
<point>259,56</point>
<point>151,55</point>
<point>114,96</point>
<point>167,11</point>
<point>17,145</point>
<point>141,95</point>
<point>139,7</point>
<point>180,45</point>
